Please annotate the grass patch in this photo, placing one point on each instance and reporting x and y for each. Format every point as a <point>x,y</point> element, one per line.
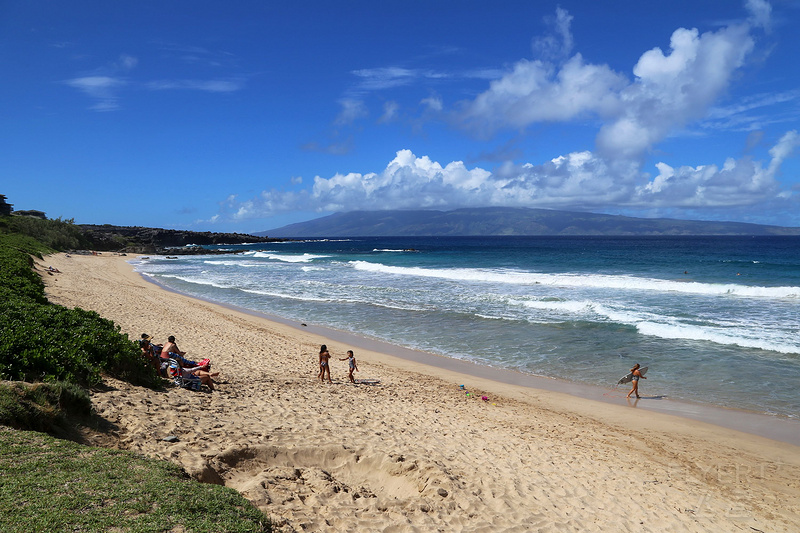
<point>42,406</point>
<point>48,485</point>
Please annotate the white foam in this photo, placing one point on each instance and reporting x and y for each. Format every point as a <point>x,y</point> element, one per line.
<point>289,258</point>
<point>582,281</point>
<point>243,264</point>
<point>719,336</point>
<point>198,281</point>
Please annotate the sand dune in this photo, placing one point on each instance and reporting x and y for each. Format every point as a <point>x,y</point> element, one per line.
<point>413,452</point>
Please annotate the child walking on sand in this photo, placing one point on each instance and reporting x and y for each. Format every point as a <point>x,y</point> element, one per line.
<point>351,359</point>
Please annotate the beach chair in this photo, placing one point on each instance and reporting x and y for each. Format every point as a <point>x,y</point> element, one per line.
<point>175,372</point>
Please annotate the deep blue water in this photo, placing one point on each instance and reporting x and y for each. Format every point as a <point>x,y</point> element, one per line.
<point>715,318</point>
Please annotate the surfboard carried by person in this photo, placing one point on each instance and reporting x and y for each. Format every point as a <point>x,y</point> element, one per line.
<point>636,374</point>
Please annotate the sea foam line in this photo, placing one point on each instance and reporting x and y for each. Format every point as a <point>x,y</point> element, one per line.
<point>582,281</point>
<point>305,258</point>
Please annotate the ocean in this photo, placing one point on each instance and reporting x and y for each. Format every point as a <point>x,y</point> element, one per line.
<point>715,318</point>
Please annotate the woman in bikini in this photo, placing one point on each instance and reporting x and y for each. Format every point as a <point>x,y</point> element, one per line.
<point>324,363</point>
<point>635,381</point>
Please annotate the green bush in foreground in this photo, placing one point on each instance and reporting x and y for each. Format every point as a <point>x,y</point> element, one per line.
<point>56,485</point>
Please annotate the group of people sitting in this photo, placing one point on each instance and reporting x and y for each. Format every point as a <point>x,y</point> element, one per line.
<point>185,370</point>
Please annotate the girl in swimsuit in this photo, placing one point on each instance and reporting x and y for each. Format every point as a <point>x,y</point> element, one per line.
<point>635,381</point>
<point>324,363</point>
<point>352,362</point>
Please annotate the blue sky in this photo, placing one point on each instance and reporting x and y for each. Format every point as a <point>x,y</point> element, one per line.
<point>249,115</point>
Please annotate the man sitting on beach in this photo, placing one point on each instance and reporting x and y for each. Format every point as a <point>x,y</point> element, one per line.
<point>171,351</point>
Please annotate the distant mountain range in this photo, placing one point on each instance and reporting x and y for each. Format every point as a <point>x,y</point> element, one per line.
<point>507,221</point>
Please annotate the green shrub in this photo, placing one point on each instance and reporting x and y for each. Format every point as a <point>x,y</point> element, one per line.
<point>46,342</point>
<point>57,234</point>
<point>17,278</point>
<point>52,343</point>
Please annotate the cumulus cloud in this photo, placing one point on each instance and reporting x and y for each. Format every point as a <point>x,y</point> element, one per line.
<point>674,88</point>
<point>741,182</point>
<point>579,180</point>
<point>668,90</point>
<point>535,91</point>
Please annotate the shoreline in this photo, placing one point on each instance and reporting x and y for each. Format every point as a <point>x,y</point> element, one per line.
<point>412,452</point>
<point>773,427</point>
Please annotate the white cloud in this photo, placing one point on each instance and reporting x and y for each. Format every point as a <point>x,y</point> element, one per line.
<point>560,43</point>
<point>667,91</point>
<point>672,89</point>
<point>749,113</point>
<point>352,110</point>
<point>760,13</point>
<point>390,110</point>
<point>536,91</point>
<point>739,182</point>
<point>433,103</point>
<point>212,86</point>
<point>385,77</point>
<point>579,180</point>
<point>101,88</point>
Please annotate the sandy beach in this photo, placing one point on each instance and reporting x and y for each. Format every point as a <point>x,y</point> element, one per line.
<point>411,451</point>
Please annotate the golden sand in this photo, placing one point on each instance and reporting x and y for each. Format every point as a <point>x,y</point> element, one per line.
<point>414,452</point>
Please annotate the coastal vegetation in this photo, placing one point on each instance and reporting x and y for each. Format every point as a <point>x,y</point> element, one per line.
<point>50,357</point>
<point>57,234</point>
<point>46,342</point>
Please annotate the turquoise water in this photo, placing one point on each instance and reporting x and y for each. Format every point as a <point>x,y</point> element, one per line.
<point>715,318</point>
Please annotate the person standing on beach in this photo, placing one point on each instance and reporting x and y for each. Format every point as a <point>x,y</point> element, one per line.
<point>351,359</point>
<point>324,363</point>
<point>635,381</point>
